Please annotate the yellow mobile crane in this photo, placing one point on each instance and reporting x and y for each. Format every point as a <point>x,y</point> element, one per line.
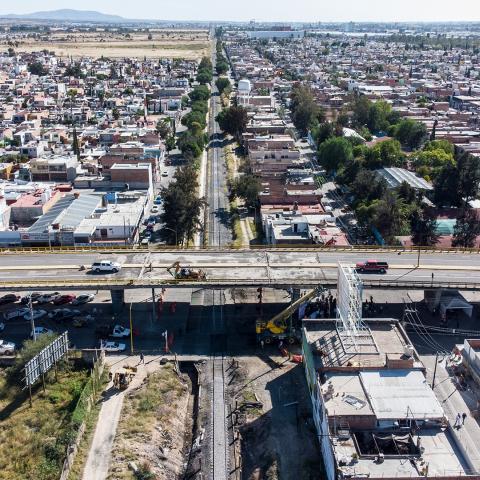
<point>278,327</point>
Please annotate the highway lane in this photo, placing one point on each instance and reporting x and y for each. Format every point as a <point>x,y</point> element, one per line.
<point>235,266</point>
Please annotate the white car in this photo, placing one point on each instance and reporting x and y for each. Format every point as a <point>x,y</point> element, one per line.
<point>41,331</point>
<point>7,348</point>
<point>84,298</point>
<point>106,266</point>
<point>120,332</point>
<point>112,346</point>
<point>154,209</point>
<point>17,313</point>
<point>36,314</point>
<point>48,297</point>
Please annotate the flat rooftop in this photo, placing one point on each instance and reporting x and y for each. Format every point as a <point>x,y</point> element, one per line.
<point>385,343</point>
<point>440,454</point>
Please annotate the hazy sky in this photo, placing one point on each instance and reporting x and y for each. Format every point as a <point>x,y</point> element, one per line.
<point>271,10</point>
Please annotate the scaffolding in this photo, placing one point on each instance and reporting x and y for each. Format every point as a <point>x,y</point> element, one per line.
<point>351,329</point>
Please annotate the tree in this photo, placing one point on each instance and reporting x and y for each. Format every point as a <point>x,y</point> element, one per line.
<point>367,186</point>
<point>247,187</point>
<point>361,109</point>
<point>467,229</point>
<point>200,92</point>
<point>76,146</point>
<point>305,111</point>
<point>335,153</point>
<point>323,132</point>
<point>221,67</point>
<point>445,187</point>
<point>378,113</point>
<point>410,133</point>
<point>181,207</point>
<point>115,113</point>
<point>389,216</point>
<point>384,154</point>
<point>233,121</point>
<point>468,167</point>
<point>429,162</point>
<point>37,68</point>
<point>223,84</point>
<point>170,143</point>
<point>163,128</point>
<point>423,225</point>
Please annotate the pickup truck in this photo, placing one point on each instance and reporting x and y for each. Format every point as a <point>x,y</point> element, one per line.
<point>371,266</point>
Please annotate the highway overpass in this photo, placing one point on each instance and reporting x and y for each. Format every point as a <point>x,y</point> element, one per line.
<point>280,268</point>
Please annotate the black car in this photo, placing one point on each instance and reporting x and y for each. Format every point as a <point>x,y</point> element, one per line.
<point>9,298</point>
<point>25,300</point>
<point>62,314</point>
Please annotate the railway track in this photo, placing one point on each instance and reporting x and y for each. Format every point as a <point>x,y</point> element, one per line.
<point>219,433</point>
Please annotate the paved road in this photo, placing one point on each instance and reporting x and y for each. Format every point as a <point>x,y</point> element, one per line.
<point>239,266</point>
<point>219,232</point>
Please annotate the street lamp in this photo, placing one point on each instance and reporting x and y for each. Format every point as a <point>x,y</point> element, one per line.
<point>175,232</point>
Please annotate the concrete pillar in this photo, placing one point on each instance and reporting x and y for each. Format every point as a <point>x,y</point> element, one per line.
<point>118,300</point>
<point>154,304</point>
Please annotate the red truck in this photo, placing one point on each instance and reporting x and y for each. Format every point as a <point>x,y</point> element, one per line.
<point>373,266</point>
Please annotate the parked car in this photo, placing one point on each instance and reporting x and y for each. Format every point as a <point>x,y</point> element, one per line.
<point>47,297</point>
<point>60,314</point>
<point>145,241</point>
<point>112,346</point>
<point>164,173</point>
<point>17,313</point>
<point>9,298</point>
<point>62,299</point>
<point>83,298</point>
<point>36,315</point>
<point>7,348</point>
<point>106,266</point>
<point>80,322</point>
<point>41,331</point>
<point>120,332</point>
<point>154,209</point>
<point>26,299</point>
<point>372,266</point>
<point>158,201</point>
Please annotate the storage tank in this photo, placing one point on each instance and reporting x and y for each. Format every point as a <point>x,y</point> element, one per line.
<point>244,86</point>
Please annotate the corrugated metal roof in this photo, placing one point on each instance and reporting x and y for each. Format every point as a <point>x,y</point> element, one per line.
<point>68,212</point>
<point>397,394</point>
<point>395,176</point>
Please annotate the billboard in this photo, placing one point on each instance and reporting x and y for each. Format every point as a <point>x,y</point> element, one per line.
<point>46,359</point>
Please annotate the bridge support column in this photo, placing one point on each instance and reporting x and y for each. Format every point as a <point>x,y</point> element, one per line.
<point>295,294</point>
<point>118,300</point>
<point>154,304</point>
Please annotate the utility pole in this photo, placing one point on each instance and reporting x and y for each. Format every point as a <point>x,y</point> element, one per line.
<point>435,370</point>
<point>131,330</point>
<point>32,321</point>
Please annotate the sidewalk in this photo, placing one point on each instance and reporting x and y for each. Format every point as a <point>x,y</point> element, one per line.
<point>467,437</point>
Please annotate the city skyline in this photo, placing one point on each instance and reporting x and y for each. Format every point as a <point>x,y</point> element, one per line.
<point>280,10</point>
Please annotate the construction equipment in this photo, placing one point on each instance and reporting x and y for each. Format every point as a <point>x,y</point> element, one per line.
<point>278,328</point>
<point>123,377</point>
<point>185,273</point>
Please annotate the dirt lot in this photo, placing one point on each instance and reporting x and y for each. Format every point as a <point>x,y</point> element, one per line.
<point>151,430</point>
<point>278,439</point>
<point>190,45</point>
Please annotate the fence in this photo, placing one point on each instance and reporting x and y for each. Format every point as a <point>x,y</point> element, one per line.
<point>82,411</point>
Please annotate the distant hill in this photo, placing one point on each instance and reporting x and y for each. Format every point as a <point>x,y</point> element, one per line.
<point>68,15</point>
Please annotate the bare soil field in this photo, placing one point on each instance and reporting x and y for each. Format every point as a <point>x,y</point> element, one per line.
<point>278,440</point>
<point>191,45</point>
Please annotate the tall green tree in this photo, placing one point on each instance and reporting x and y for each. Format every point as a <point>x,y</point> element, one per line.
<point>233,121</point>
<point>335,153</point>
<point>305,111</point>
<point>248,188</point>
<point>423,226</point>
<point>181,207</point>
<point>390,216</point>
<point>467,229</point>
